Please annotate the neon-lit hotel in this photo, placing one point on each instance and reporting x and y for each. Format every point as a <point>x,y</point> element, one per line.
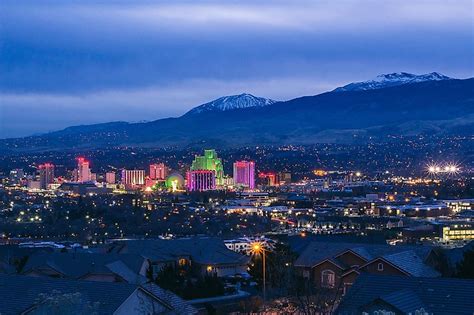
<point>210,162</point>
<point>244,174</point>
<point>201,180</point>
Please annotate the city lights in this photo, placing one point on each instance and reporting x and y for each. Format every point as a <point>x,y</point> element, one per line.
<point>443,169</point>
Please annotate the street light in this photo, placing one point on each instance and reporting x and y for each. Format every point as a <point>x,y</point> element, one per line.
<point>258,248</point>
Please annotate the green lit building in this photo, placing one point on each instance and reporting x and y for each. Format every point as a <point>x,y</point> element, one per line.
<point>209,161</point>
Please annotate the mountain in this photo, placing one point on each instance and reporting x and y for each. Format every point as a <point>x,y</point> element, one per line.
<point>436,107</point>
<point>392,79</point>
<point>232,102</point>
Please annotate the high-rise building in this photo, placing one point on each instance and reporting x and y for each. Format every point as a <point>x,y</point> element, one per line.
<point>83,171</point>
<point>269,179</point>
<point>209,162</point>
<point>158,171</point>
<point>201,180</point>
<point>110,177</point>
<point>244,174</point>
<point>46,175</point>
<point>16,175</point>
<point>133,178</point>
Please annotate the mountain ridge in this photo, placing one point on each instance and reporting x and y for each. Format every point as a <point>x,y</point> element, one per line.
<point>391,79</point>
<point>231,102</point>
<point>443,106</point>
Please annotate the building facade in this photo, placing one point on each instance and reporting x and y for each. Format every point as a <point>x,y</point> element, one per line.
<point>133,178</point>
<point>158,171</point>
<point>210,162</point>
<point>83,171</point>
<point>46,175</point>
<point>201,180</point>
<point>110,178</point>
<point>244,174</point>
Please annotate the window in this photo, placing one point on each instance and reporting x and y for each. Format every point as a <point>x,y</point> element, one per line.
<point>380,267</point>
<point>327,278</point>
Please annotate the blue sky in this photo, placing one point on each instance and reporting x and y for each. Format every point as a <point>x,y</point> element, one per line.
<point>66,63</point>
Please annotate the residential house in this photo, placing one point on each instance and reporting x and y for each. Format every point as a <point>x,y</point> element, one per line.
<point>204,255</point>
<point>87,266</point>
<point>376,294</point>
<point>335,266</point>
<point>43,295</point>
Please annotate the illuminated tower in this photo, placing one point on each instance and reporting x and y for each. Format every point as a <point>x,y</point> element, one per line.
<point>46,175</point>
<point>83,171</point>
<point>209,162</point>
<point>158,171</point>
<point>201,180</point>
<point>244,174</point>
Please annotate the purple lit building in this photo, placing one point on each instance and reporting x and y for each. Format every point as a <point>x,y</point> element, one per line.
<point>244,174</point>
<point>201,180</point>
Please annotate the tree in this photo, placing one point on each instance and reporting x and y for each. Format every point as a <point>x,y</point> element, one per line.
<point>465,268</point>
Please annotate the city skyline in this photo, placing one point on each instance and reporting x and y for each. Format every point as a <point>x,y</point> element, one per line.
<point>157,68</point>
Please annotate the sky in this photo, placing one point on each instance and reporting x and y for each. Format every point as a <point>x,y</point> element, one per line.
<point>66,63</point>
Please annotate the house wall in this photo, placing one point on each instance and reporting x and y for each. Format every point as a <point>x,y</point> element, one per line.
<point>316,273</point>
<point>222,270</point>
<point>348,280</point>
<point>372,268</point>
<point>350,259</point>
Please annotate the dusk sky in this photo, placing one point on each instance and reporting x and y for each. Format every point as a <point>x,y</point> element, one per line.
<point>66,63</point>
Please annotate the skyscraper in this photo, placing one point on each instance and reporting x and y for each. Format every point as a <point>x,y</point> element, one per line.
<point>158,171</point>
<point>244,174</point>
<point>83,171</point>
<point>110,177</point>
<point>133,178</point>
<point>210,162</point>
<point>46,175</point>
<point>201,180</point>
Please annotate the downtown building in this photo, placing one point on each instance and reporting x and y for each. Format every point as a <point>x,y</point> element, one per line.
<point>158,171</point>
<point>83,172</point>
<point>200,180</point>
<point>133,178</point>
<point>210,162</point>
<point>244,174</point>
<point>46,175</point>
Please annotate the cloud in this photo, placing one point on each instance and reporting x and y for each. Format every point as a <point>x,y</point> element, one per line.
<point>49,112</point>
<point>72,62</point>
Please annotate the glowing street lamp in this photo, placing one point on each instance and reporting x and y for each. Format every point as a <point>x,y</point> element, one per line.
<point>257,248</point>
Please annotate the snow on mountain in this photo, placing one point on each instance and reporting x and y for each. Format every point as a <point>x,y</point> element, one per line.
<point>226,103</point>
<point>392,79</point>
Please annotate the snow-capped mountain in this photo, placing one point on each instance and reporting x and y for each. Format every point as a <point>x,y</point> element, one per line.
<point>226,103</point>
<point>392,79</point>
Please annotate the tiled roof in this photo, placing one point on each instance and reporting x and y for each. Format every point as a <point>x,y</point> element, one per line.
<point>411,263</point>
<point>405,300</point>
<point>76,265</point>
<point>179,305</point>
<point>19,293</point>
<point>318,251</point>
<point>203,250</point>
<point>444,296</point>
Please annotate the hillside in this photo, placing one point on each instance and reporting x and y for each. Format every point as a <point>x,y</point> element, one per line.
<point>433,107</point>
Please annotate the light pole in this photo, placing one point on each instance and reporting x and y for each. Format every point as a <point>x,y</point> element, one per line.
<point>258,248</point>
